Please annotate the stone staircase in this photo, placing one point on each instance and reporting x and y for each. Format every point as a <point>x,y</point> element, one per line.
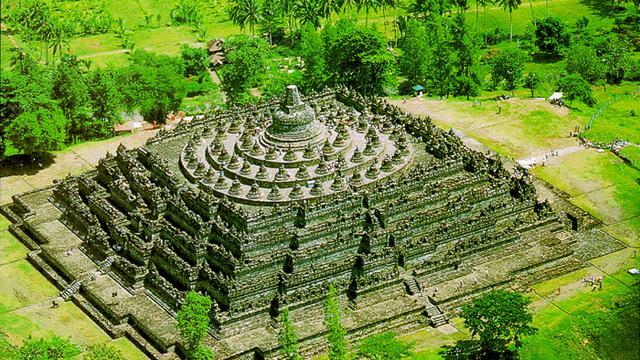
<point>436,317</point>
<point>412,286</point>
<point>433,313</point>
<point>73,288</point>
<point>70,290</point>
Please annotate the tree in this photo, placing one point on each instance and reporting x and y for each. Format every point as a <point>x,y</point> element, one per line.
<point>384,346</point>
<point>271,19</point>
<point>152,83</point>
<point>312,52</point>
<point>102,352</point>
<point>367,5</point>
<point>38,131</point>
<point>510,5</point>
<point>196,60</point>
<point>531,82</point>
<point>573,86</point>
<point>551,35</point>
<point>193,322</point>
<point>309,12</point>
<point>443,56</point>
<point>500,319</point>
<point>415,58</point>
<point>467,79</point>
<point>20,93</point>
<point>507,65</point>
<point>105,103</point>
<point>615,55</point>
<point>583,59</point>
<point>245,13</point>
<point>288,340</point>
<point>357,57</point>
<point>245,61</point>
<point>484,4</point>
<point>55,348</point>
<point>332,320</point>
<point>70,90</point>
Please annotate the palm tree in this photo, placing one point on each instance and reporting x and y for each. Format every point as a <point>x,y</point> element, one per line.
<point>309,12</point>
<point>58,40</point>
<point>510,5</point>
<point>384,4</point>
<point>484,4</point>
<point>245,12</point>
<point>287,7</point>
<point>329,7</point>
<point>349,5</point>
<point>367,5</point>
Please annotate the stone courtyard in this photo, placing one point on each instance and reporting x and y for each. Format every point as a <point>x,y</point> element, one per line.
<point>261,208</point>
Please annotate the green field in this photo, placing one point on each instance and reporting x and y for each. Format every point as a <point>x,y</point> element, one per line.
<point>25,305</point>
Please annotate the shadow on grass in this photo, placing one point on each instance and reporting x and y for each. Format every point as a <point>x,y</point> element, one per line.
<point>544,58</point>
<point>603,8</point>
<point>471,350</point>
<point>24,164</point>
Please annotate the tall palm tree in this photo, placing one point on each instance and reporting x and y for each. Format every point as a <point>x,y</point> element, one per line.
<point>245,13</point>
<point>484,4</point>
<point>329,7</point>
<point>58,40</point>
<point>367,5</point>
<point>510,5</point>
<point>348,5</point>
<point>383,5</point>
<point>288,9</point>
<point>309,12</point>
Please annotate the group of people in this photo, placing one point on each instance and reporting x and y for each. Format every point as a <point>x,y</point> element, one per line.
<point>595,283</point>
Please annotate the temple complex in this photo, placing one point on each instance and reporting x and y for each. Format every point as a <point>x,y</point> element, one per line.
<point>262,208</point>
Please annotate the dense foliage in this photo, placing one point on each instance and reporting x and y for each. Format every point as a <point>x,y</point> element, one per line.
<point>288,340</point>
<point>55,348</point>
<point>357,57</point>
<point>384,346</point>
<point>154,84</point>
<point>193,322</point>
<point>246,59</point>
<point>551,35</point>
<point>333,322</point>
<point>500,319</point>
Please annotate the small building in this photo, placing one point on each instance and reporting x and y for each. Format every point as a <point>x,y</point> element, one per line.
<point>417,90</point>
<point>556,98</point>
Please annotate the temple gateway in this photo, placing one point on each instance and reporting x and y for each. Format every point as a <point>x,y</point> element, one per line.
<point>262,208</point>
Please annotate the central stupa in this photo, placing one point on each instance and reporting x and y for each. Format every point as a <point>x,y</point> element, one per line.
<point>294,152</point>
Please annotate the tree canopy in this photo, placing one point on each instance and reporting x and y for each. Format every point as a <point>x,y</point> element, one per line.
<point>499,319</point>
<point>193,322</point>
<point>55,348</point>
<point>551,35</point>
<point>357,57</point>
<point>246,59</point>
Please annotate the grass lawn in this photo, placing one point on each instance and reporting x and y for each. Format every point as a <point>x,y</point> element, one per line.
<point>25,305</point>
<point>524,127</point>
<point>632,153</point>
<point>619,120</point>
<point>22,285</point>
<point>598,182</point>
<point>10,248</point>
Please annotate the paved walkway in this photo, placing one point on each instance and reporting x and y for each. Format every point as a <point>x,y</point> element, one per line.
<point>74,160</point>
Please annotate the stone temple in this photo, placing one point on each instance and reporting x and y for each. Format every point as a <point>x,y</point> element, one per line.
<point>261,208</point>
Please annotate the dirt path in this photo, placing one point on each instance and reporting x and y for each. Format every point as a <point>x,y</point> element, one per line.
<point>112,52</point>
<point>530,162</point>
